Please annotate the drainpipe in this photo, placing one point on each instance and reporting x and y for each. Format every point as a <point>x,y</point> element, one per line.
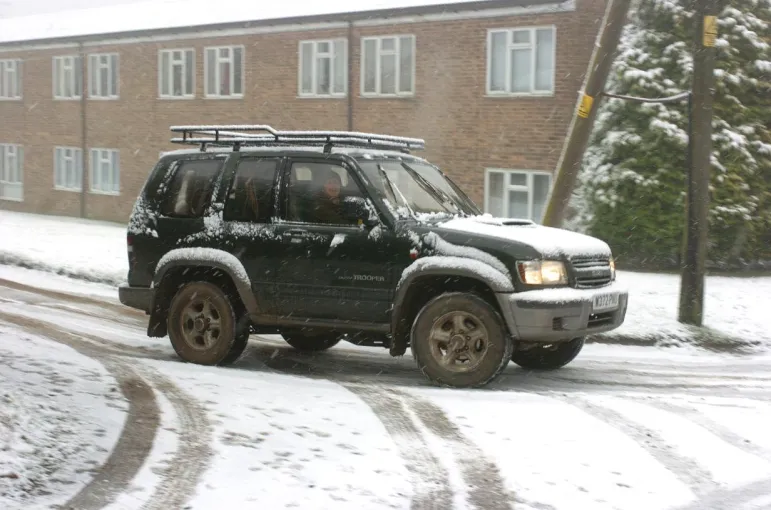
<point>83,129</point>
<point>350,75</point>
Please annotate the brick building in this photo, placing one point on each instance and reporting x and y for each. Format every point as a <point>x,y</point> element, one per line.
<point>491,86</point>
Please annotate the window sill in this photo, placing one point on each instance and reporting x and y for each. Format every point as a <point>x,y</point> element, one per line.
<point>105,193</point>
<point>11,199</point>
<point>387,96</point>
<point>175,98</point>
<point>74,98</point>
<point>9,99</point>
<point>518,95</point>
<point>105,98</point>
<point>71,190</point>
<point>335,96</point>
<point>224,97</point>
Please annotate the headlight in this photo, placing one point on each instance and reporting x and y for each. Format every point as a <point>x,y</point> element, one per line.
<point>542,272</point>
<point>612,269</point>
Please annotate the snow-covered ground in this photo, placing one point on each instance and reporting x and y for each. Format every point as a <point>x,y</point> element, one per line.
<point>622,428</point>
<point>93,414</point>
<point>736,308</point>
<point>60,415</point>
<point>84,249</point>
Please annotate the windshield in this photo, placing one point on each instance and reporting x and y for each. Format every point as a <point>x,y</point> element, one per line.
<point>414,188</point>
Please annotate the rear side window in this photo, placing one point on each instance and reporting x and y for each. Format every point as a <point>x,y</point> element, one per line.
<point>190,189</point>
<point>251,196</point>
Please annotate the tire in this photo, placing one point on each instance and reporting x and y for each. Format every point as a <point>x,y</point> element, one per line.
<point>237,350</point>
<point>550,356</point>
<point>193,312</point>
<point>304,342</point>
<point>468,324</point>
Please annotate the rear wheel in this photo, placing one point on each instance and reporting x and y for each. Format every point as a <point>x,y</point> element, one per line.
<point>459,340</point>
<point>548,356</point>
<point>203,327</point>
<point>311,342</point>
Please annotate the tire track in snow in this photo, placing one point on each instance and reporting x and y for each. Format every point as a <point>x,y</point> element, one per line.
<point>652,385</point>
<point>134,444</point>
<point>142,422</point>
<point>717,429</point>
<point>685,469</point>
<point>486,487</point>
<point>61,301</point>
<point>71,298</point>
<point>430,479</point>
<point>182,475</point>
<point>97,342</point>
<point>736,498</point>
<point>188,464</point>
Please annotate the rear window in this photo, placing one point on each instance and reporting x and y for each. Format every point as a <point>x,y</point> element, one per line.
<point>189,191</point>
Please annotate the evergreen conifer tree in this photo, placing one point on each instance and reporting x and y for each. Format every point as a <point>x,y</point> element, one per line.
<point>632,185</point>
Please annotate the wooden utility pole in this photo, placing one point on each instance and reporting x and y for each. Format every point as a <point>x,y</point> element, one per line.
<point>580,129</point>
<point>697,207</point>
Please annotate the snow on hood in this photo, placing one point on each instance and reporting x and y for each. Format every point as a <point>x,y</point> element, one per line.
<point>550,242</point>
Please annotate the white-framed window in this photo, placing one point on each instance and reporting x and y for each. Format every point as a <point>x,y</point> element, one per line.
<point>323,68</point>
<point>517,193</point>
<point>11,172</point>
<point>103,76</point>
<point>68,77</point>
<point>10,79</point>
<point>520,61</point>
<point>68,168</point>
<point>105,171</point>
<point>388,65</point>
<point>176,73</point>
<point>224,72</point>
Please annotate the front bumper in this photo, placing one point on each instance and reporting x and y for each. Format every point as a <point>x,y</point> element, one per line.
<point>552,315</point>
<point>140,298</point>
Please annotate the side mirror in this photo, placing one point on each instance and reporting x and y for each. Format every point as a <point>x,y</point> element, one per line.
<point>358,211</point>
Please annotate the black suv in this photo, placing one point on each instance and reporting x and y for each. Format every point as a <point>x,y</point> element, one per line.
<point>323,236</point>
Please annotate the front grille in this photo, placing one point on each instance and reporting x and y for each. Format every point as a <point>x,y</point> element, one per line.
<point>589,273</point>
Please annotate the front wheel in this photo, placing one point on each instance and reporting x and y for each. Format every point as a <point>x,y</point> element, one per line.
<point>459,340</point>
<point>548,356</point>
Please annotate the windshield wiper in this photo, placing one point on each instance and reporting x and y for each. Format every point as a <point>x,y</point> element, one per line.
<point>438,194</point>
<point>394,190</point>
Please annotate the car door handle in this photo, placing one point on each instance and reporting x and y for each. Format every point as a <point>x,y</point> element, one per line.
<point>296,235</point>
<point>296,232</point>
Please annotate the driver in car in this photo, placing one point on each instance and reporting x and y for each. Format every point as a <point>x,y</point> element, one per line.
<point>329,208</point>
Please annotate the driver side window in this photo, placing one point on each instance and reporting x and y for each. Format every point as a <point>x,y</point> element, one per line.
<point>315,193</point>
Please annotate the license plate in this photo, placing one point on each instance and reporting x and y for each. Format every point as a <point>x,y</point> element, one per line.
<point>604,302</point>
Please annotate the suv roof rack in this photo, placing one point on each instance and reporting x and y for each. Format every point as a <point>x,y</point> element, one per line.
<point>238,136</point>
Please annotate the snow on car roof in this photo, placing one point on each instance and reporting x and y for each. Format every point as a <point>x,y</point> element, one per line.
<point>147,15</point>
<point>363,152</point>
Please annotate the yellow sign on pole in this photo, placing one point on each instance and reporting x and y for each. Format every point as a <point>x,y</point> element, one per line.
<point>586,106</point>
<point>710,31</point>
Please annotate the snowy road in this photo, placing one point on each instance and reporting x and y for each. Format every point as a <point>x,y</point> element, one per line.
<point>621,428</point>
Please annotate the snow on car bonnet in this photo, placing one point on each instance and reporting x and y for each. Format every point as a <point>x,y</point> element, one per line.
<point>550,242</point>
<point>442,247</point>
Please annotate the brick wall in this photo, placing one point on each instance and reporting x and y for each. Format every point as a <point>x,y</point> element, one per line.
<point>465,131</point>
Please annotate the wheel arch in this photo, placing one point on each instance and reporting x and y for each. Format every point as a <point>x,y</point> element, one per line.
<point>185,265</point>
<point>431,276</point>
